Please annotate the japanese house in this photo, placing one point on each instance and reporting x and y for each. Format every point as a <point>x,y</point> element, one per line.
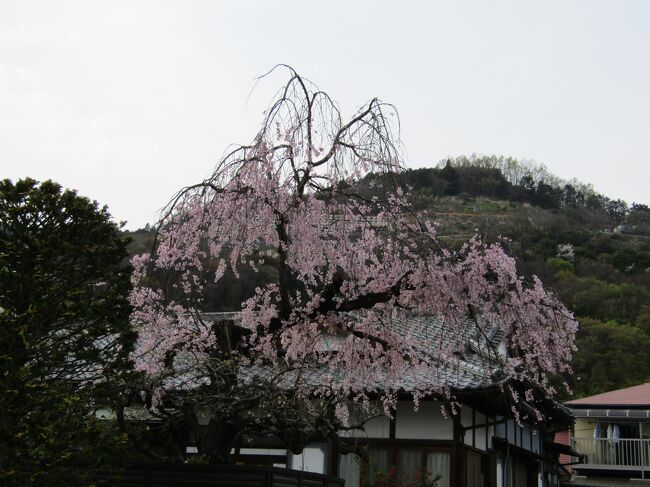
<point>482,445</point>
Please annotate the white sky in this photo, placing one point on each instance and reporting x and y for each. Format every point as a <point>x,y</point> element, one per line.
<point>127,101</point>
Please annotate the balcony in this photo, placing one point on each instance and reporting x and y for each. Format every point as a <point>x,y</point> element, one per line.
<point>625,454</point>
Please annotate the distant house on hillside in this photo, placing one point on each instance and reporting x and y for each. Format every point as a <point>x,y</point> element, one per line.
<point>625,229</point>
<point>612,435</point>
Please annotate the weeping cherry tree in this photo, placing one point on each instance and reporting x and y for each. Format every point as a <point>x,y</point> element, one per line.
<point>346,265</point>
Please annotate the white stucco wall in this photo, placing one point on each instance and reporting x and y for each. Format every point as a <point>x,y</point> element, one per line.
<point>312,459</point>
<point>427,423</point>
<point>512,429</point>
<point>378,427</point>
<point>491,433</point>
<point>500,428</point>
<point>475,437</point>
<point>499,471</point>
<point>526,438</point>
<point>466,421</point>
<point>481,442</point>
<point>537,442</point>
<point>522,436</point>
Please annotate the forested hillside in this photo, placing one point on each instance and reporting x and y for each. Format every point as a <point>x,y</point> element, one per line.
<point>592,250</point>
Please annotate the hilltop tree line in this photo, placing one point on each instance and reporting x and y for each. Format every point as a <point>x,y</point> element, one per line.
<point>518,181</point>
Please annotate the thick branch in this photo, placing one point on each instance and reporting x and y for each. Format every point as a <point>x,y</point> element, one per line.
<point>365,301</point>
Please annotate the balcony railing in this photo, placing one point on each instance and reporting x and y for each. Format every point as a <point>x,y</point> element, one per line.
<point>613,454</point>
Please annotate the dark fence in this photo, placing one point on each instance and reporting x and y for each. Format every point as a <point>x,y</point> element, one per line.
<point>184,475</point>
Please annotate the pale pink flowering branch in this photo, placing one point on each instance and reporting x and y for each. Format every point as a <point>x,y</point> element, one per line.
<point>356,264</point>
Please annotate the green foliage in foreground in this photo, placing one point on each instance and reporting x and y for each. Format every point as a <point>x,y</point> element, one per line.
<point>64,332</point>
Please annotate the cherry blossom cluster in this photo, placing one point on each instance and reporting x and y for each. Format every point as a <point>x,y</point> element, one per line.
<point>348,265</point>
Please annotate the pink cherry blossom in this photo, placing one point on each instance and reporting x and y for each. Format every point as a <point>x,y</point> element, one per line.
<point>361,263</point>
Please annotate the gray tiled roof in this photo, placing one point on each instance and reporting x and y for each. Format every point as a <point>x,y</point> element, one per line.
<point>475,360</point>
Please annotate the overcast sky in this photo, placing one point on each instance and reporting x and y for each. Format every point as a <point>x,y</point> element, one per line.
<point>129,101</point>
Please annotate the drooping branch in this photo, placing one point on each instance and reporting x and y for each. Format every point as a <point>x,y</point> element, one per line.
<point>344,265</point>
